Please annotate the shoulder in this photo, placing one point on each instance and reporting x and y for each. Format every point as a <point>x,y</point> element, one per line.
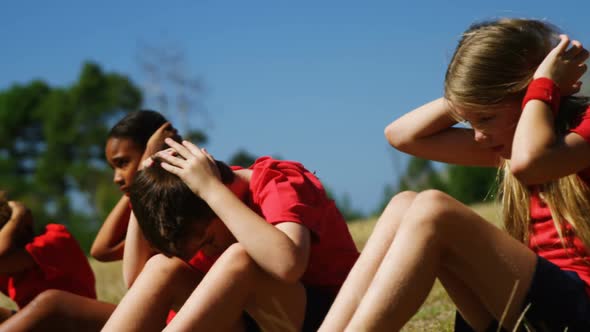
<point>55,236</point>
<point>270,171</point>
<point>54,232</point>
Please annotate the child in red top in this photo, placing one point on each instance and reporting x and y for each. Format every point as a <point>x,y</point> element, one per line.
<point>138,135</point>
<point>506,79</point>
<point>31,265</point>
<point>269,242</point>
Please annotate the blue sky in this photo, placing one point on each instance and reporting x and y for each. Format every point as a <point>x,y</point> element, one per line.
<point>313,81</point>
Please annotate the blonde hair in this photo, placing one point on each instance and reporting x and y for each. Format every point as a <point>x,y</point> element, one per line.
<point>492,66</point>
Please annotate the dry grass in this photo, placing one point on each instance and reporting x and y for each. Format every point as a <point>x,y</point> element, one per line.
<point>436,314</point>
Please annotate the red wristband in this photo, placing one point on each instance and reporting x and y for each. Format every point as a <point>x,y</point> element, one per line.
<point>545,90</point>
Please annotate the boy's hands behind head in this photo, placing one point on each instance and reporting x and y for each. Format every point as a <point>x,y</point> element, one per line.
<point>194,166</point>
<point>565,66</point>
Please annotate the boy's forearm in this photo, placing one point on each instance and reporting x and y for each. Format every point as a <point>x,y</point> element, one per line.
<point>268,246</point>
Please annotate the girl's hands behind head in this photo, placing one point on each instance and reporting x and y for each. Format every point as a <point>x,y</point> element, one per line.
<point>156,141</point>
<point>564,66</point>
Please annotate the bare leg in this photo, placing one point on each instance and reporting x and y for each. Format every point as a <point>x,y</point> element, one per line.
<point>438,233</point>
<point>361,275</point>
<point>467,302</point>
<point>56,310</point>
<point>235,283</point>
<point>164,283</point>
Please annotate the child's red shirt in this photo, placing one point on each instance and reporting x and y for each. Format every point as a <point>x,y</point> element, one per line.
<point>284,191</point>
<point>61,264</point>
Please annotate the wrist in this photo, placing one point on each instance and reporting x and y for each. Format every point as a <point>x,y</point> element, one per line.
<point>211,191</point>
<point>545,90</point>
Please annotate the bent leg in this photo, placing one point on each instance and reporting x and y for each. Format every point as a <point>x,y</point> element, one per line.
<point>439,233</point>
<point>164,283</point>
<point>236,284</point>
<point>467,302</point>
<point>56,310</point>
<point>361,275</point>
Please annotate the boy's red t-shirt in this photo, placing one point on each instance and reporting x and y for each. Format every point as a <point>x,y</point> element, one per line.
<point>544,239</point>
<point>284,191</point>
<point>61,264</point>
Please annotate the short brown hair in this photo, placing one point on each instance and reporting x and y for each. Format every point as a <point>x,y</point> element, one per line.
<point>5,210</point>
<point>167,210</point>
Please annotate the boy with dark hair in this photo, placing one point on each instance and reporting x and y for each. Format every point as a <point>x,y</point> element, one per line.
<point>270,249</point>
<point>32,264</point>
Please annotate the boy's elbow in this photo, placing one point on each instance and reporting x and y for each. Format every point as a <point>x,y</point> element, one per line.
<point>290,273</point>
<point>292,268</point>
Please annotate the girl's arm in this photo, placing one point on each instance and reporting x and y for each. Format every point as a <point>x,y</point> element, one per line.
<point>137,252</point>
<point>538,155</point>
<point>12,259</point>
<point>110,240</point>
<point>427,132</point>
<point>282,251</point>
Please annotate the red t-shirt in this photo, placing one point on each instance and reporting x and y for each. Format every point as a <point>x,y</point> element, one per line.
<point>61,264</point>
<point>284,191</point>
<point>544,239</point>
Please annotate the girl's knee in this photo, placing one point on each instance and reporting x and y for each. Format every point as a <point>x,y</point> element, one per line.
<point>434,203</point>
<point>432,211</point>
<point>404,198</point>
<point>400,202</point>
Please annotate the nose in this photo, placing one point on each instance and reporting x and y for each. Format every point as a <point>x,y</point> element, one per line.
<point>480,136</point>
<point>118,178</point>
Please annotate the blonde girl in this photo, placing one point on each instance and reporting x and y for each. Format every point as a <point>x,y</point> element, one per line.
<point>512,80</point>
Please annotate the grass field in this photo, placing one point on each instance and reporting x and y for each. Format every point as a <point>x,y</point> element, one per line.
<point>436,314</point>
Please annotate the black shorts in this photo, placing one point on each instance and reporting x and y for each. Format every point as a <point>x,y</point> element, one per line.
<point>557,299</point>
<point>319,302</point>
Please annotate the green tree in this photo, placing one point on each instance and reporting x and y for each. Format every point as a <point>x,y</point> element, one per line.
<point>52,141</point>
<point>242,158</point>
<point>471,184</point>
<point>420,175</point>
